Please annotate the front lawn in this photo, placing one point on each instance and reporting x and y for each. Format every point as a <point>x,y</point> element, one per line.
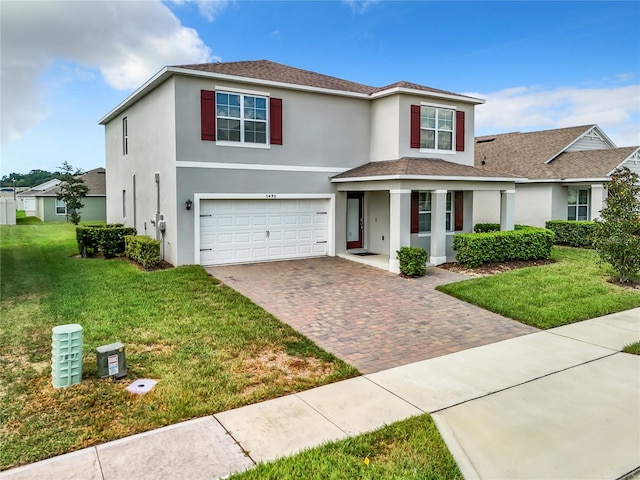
<point>574,288</point>
<point>210,348</point>
<point>410,449</point>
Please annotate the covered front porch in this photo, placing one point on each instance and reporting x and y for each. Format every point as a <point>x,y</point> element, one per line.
<point>382,214</point>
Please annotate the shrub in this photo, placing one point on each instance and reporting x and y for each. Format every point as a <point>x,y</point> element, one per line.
<point>413,261</point>
<point>524,243</point>
<point>572,233</point>
<point>109,239</point>
<point>143,249</point>
<point>486,227</point>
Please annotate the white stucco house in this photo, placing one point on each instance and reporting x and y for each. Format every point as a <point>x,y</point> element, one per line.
<point>565,172</point>
<point>256,161</point>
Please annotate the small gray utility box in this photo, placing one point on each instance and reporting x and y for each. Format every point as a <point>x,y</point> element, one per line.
<point>111,361</point>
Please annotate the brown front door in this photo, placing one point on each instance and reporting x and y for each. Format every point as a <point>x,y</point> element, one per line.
<point>355,219</point>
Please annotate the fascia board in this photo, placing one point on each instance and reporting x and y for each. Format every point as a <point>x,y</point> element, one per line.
<point>635,153</point>
<point>423,177</point>
<point>423,93</point>
<point>564,180</point>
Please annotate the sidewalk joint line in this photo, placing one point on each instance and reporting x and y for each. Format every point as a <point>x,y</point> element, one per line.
<point>245,452</point>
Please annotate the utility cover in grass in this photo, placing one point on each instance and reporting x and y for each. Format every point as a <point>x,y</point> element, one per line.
<point>142,386</point>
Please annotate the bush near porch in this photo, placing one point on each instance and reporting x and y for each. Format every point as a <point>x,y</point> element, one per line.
<point>572,233</point>
<point>524,243</point>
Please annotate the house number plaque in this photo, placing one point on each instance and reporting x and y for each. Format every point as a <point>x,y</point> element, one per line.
<point>271,195</point>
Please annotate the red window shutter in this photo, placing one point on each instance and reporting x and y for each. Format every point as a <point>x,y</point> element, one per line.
<point>459,211</point>
<point>275,112</point>
<point>459,131</point>
<point>415,212</point>
<point>415,126</point>
<point>208,114</point>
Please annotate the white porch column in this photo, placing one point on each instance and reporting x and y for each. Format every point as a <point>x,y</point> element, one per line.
<point>507,209</point>
<point>598,194</point>
<point>438,252</point>
<point>399,225</point>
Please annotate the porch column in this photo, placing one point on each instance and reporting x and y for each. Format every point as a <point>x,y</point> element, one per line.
<point>438,253</point>
<point>399,225</point>
<point>598,194</point>
<point>507,209</point>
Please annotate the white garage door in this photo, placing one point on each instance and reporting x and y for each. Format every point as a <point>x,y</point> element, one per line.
<point>240,231</point>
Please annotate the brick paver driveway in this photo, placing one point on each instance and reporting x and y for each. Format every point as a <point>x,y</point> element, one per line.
<point>368,317</point>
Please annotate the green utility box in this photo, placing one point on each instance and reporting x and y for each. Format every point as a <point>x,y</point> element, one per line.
<point>111,361</point>
<point>66,355</point>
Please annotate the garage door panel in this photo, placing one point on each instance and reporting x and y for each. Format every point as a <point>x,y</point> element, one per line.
<point>236,231</point>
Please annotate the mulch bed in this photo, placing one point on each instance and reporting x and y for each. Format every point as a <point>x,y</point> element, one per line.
<point>493,268</point>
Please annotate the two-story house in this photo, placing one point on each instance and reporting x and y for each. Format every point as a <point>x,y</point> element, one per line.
<point>255,161</point>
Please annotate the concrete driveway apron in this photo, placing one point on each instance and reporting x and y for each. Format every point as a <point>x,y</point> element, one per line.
<point>368,317</point>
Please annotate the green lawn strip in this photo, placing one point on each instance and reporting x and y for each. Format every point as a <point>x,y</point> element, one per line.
<point>574,288</point>
<point>20,214</point>
<point>410,449</point>
<point>211,348</point>
<point>633,348</point>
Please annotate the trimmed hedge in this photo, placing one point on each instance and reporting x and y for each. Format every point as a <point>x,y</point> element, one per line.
<point>573,233</point>
<point>413,261</point>
<point>524,243</point>
<point>142,249</point>
<point>108,239</point>
<point>486,227</point>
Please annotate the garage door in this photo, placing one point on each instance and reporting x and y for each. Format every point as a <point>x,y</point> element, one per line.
<point>240,231</point>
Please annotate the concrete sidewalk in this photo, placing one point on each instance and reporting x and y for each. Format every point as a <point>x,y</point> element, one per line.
<point>563,403</point>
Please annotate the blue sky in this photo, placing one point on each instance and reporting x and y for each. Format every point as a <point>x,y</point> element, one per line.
<point>539,65</point>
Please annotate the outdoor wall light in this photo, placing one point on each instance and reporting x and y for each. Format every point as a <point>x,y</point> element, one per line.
<point>189,203</point>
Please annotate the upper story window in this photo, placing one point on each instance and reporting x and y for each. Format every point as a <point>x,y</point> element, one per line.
<point>578,204</point>
<point>241,118</point>
<point>439,129</point>
<point>125,136</point>
<point>436,128</point>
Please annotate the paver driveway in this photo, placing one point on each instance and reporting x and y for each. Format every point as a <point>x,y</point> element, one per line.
<point>366,316</point>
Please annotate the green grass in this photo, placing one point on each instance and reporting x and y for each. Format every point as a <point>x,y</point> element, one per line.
<point>574,288</point>
<point>28,220</point>
<point>410,449</point>
<point>633,348</point>
<point>20,214</point>
<point>210,348</point>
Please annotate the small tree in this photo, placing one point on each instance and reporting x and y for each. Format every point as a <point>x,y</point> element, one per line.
<point>617,232</point>
<point>72,190</point>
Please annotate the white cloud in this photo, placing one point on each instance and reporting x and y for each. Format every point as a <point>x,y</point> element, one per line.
<point>359,6</point>
<point>616,110</point>
<point>127,42</point>
<point>209,9</point>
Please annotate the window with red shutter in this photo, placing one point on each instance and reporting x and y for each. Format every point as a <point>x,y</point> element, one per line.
<point>208,115</point>
<point>415,212</point>
<point>459,131</point>
<point>275,117</point>
<point>415,126</point>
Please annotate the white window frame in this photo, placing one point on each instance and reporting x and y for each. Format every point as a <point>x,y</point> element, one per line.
<point>577,205</point>
<point>60,204</point>
<point>125,136</point>
<point>436,129</point>
<point>449,209</point>
<point>242,96</point>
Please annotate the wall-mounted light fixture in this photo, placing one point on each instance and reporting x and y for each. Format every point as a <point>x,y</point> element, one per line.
<point>189,203</point>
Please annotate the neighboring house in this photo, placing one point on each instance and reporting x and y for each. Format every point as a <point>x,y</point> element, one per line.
<point>41,201</point>
<point>566,172</point>
<point>254,161</point>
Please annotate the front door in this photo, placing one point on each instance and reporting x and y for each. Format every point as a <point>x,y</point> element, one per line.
<point>355,219</point>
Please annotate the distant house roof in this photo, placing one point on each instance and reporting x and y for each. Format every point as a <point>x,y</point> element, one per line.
<point>263,71</point>
<point>94,179</point>
<point>408,167</point>
<point>543,154</point>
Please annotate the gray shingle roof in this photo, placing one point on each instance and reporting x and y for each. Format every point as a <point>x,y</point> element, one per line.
<point>277,72</point>
<point>428,167</point>
<point>525,154</point>
<point>94,179</point>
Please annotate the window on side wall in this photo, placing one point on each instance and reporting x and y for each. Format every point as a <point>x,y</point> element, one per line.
<point>61,207</point>
<point>241,118</point>
<point>578,204</point>
<point>125,137</point>
<point>436,128</point>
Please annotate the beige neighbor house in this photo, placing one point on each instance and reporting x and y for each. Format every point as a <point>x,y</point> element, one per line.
<point>41,201</point>
<point>254,161</point>
<point>566,171</point>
